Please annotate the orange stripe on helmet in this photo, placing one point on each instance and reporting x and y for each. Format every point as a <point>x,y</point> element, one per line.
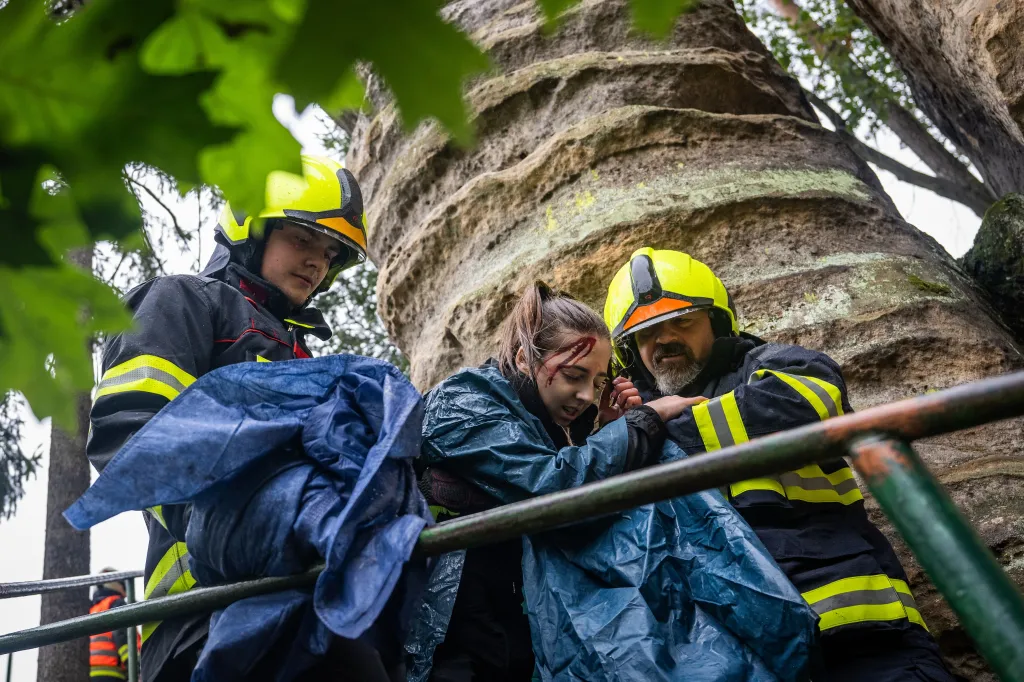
<point>344,227</point>
<point>652,310</point>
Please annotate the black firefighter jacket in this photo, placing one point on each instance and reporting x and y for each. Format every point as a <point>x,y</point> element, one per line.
<point>811,520</point>
<point>184,326</point>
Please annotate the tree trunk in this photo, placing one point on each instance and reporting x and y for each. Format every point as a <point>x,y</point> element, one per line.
<point>966,69</point>
<point>66,551</point>
<point>593,142</point>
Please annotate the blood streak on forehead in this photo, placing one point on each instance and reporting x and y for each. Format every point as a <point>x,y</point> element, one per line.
<point>574,350</point>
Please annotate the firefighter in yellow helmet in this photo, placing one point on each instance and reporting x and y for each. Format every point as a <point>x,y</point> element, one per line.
<point>675,333</point>
<point>250,303</point>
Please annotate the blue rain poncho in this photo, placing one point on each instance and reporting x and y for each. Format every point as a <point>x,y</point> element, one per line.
<point>286,465</point>
<point>678,590</point>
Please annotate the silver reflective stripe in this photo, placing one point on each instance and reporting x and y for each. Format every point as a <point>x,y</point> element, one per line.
<point>143,373</point>
<point>174,572</point>
<point>857,598</point>
<point>908,600</point>
<point>822,394</point>
<point>720,423</point>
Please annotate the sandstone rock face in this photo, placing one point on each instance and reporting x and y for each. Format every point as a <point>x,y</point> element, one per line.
<point>593,141</point>
<point>997,259</point>
<point>966,69</point>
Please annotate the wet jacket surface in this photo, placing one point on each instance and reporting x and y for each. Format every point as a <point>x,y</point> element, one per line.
<point>286,465</point>
<point>184,327</point>
<point>679,588</point>
<point>488,634</point>
<point>812,520</point>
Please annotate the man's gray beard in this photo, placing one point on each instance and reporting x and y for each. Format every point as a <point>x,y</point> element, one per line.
<point>672,380</point>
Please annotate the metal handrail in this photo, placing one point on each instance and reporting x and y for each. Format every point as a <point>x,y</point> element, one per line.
<point>11,590</point>
<point>934,414</point>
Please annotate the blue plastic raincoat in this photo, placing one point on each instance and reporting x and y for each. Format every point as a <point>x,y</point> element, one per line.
<point>678,590</point>
<point>286,464</point>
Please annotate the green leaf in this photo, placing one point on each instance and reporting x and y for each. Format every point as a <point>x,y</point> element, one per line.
<point>244,41</point>
<point>60,224</point>
<point>657,17</point>
<point>349,94</point>
<point>423,59</point>
<point>288,10</point>
<point>48,315</point>
<point>240,168</point>
<point>73,96</point>
<point>185,43</point>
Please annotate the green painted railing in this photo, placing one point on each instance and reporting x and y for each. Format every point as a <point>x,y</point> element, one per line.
<point>989,605</point>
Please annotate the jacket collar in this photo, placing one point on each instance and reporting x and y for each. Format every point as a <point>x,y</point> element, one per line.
<point>308,319</point>
<point>526,389</point>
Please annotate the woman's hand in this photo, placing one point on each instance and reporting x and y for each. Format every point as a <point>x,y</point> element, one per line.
<point>671,406</point>
<point>624,394</point>
<point>618,396</point>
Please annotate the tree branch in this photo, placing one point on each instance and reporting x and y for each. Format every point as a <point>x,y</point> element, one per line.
<point>895,117</point>
<point>182,235</point>
<point>943,187</point>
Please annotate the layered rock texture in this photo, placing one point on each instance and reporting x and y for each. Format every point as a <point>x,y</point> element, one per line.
<point>593,141</point>
<point>965,66</point>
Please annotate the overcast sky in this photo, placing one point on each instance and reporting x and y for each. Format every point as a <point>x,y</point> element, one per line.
<point>121,542</point>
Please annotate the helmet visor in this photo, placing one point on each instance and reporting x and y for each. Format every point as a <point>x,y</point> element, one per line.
<point>351,253</point>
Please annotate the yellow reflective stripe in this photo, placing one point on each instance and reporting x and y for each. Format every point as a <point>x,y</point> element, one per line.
<point>804,495</point>
<point>860,599</point>
<point>732,418</point>
<point>171,576</point>
<point>706,427</point>
<point>915,617</point>
<point>835,478</point>
<point>146,373</point>
<point>158,514</point>
<point>123,651</point>
<point>859,614</point>
<point>107,671</point>
<point>299,324</point>
<point>823,397</point>
<point>811,484</point>
<point>831,389</point>
<point>721,425</point>
<point>769,484</point>
<point>807,484</point>
<point>260,358</point>
<point>151,361</point>
<point>172,564</point>
<point>144,385</point>
<point>719,422</point>
<point>908,602</point>
<point>437,510</point>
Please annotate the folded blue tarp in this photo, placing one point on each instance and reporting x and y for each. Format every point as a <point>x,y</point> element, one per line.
<point>678,590</point>
<point>285,465</point>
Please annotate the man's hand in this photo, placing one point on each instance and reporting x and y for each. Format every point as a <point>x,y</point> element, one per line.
<point>671,406</point>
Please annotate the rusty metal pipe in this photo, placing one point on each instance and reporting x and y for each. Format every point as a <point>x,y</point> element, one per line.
<point>941,412</point>
<point>989,605</point>
<point>930,415</point>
